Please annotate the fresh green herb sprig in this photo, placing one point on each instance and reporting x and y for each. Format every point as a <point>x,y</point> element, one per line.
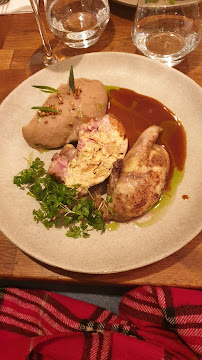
<point>71,79</point>
<point>47,89</point>
<point>59,204</point>
<point>46,109</point>
<point>29,176</point>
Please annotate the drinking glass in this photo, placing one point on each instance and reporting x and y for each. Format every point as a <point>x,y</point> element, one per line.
<point>79,23</point>
<point>167,30</point>
<point>49,58</point>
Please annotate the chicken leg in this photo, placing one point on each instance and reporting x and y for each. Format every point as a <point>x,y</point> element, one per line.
<point>137,182</point>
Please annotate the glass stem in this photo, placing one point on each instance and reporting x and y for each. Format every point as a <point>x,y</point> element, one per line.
<point>42,30</point>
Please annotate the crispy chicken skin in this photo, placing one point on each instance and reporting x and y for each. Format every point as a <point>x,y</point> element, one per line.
<point>137,182</point>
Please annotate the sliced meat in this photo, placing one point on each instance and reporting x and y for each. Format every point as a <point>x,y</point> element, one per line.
<point>101,143</point>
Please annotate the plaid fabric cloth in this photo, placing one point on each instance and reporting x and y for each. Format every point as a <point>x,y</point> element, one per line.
<point>153,323</point>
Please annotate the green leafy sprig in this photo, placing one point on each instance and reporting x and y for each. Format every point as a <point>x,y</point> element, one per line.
<point>59,205</point>
<point>46,109</point>
<point>71,79</point>
<point>47,89</point>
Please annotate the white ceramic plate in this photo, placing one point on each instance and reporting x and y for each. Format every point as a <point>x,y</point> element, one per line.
<point>131,3</point>
<point>128,247</point>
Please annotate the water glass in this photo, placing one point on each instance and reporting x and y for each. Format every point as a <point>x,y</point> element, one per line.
<point>167,30</point>
<point>79,23</point>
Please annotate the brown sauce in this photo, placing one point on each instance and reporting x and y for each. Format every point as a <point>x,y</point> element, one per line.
<point>138,112</point>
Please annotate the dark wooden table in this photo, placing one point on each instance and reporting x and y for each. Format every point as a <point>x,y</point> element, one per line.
<point>20,47</point>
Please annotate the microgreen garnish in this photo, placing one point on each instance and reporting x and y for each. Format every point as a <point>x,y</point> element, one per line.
<point>109,199</point>
<point>104,204</point>
<point>71,79</point>
<point>59,205</point>
<point>46,109</point>
<point>47,89</point>
<point>28,176</point>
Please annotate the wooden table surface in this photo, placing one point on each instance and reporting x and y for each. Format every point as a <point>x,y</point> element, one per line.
<point>20,49</point>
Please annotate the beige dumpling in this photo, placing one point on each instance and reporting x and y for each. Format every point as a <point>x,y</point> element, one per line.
<point>53,131</point>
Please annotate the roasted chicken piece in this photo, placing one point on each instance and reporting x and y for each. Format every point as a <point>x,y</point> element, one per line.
<point>137,182</point>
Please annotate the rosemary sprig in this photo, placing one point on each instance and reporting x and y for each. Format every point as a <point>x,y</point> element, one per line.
<point>47,89</point>
<point>71,79</point>
<point>46,109</point>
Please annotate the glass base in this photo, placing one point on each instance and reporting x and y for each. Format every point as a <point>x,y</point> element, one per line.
<point>50,60</point>
<point>39,61</point>
<point>167,61</point>
<point>84,44</point>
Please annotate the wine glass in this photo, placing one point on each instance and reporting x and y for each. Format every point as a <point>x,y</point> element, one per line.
<point>49,57</point>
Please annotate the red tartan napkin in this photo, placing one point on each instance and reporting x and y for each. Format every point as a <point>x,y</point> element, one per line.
<point>154,323</point>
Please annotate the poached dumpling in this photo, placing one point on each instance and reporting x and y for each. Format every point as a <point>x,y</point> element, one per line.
<point>50,131</point>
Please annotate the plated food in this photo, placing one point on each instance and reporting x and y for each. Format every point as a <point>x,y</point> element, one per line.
<point>133,244</point>
<point>136,177</point>
<point>101,142</point>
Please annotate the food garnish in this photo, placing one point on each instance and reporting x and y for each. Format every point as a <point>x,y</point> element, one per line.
<point>47,89</point>
<point>71,79</point>
<point>59,205</point>
<point>46,109</point>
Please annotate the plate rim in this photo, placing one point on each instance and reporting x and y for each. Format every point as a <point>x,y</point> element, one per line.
<point>127,3</point>
<point>107,53</point>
